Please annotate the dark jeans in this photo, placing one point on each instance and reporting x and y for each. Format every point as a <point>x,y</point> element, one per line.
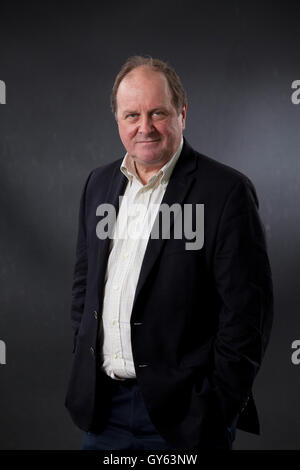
<point>129,425</point>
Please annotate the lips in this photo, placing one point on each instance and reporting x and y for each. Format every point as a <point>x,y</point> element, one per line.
<point>147,141</point>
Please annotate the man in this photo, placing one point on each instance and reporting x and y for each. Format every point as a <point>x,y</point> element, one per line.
<point>167,340</point>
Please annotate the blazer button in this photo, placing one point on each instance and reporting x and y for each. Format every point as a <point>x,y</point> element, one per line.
<point>92,351</point>
<point>95,314</point>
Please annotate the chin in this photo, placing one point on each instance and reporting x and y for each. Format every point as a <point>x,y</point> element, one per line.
<point>149,157</point>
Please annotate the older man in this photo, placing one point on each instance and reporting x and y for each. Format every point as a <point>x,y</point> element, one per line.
<point>168,337</point>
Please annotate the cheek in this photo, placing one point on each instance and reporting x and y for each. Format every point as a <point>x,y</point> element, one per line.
<point>164,128</point>
<point>126,134</point>
<point>168,128</point>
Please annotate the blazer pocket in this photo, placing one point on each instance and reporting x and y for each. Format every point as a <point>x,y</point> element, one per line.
<point>198,358</point>
<point>180,246</point>
<point>179,251</point>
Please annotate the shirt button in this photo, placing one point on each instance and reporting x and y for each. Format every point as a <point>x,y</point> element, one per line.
<point>116,287</point>
<point>126,254</point>
<point>113,322</point>
<point>115,356</point>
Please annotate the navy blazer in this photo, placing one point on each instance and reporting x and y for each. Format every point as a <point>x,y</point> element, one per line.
<point>201,319</point>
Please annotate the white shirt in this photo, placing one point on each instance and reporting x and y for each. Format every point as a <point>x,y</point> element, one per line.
<point>125,259</point>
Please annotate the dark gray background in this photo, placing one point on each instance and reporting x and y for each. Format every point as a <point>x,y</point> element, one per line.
<point>237,61</point>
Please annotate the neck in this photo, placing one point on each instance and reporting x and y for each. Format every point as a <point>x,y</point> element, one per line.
<point>145,173</point>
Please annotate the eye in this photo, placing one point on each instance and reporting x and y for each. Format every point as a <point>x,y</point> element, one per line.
<point>159,114</point>
<point>131,115</point>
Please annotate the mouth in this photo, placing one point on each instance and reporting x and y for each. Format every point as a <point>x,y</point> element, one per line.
<point>147,141</point>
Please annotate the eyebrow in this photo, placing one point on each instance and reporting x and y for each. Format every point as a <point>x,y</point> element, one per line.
<point>160,108</point>
<point>128,112</point>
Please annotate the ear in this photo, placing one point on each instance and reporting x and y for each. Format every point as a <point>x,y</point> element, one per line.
<point>183,115</point>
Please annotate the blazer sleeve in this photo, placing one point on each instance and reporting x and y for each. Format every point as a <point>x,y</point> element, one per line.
<point>80,268</point>
<point>243,281</point>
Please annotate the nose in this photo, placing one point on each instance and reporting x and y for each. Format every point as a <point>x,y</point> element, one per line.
<point>145,125</point>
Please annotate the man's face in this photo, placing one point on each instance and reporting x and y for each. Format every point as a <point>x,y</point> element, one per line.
<point>149,125</point>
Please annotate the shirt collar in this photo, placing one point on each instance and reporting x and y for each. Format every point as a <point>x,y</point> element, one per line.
<point>127,167</point>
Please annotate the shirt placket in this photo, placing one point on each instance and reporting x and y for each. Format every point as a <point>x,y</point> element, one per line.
<point>131,249</point>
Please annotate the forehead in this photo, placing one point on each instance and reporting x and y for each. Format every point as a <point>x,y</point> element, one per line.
<point>144,86</point>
